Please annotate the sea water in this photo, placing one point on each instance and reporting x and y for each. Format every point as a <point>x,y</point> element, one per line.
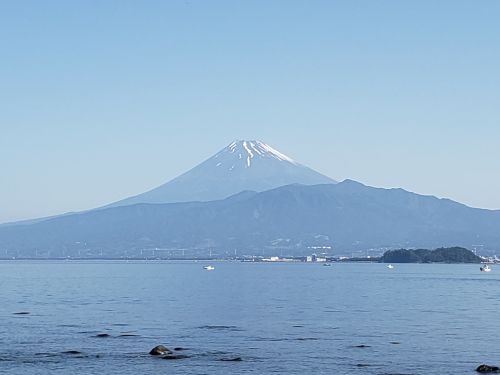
<point>277,318</point>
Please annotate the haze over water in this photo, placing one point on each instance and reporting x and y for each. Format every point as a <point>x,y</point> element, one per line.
<point>281,318</point>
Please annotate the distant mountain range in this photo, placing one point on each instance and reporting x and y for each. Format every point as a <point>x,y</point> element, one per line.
<point>290,220</point>
<point>252,199</point>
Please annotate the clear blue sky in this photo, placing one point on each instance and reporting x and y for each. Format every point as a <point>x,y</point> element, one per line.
<point>100,100</point>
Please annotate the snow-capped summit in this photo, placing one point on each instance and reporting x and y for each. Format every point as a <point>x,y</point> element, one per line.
<point>242,165</point>
<point>247,150</point>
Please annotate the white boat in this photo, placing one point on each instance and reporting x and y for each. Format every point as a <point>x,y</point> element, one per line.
<point>390,266</point>
<point>485,268</point>
<point>209,268</point>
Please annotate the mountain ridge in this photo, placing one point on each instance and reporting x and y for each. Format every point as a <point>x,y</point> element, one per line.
<point>291,219</point>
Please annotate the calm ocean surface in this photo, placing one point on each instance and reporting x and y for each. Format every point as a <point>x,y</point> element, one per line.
<point>279,318</point>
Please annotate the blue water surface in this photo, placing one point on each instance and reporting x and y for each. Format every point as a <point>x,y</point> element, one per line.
<point>278,318</point>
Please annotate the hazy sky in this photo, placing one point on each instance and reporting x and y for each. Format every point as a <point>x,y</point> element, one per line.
<point>100,100</point>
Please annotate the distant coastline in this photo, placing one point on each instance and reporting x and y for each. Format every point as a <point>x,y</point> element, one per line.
<point>450,255</point>
<point>441,255</point>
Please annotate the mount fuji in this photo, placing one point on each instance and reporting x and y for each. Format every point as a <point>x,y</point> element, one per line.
<point>241,166</point>
<point>252,198</point>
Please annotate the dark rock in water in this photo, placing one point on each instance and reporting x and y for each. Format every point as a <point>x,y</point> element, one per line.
<point>178,349</point>
<point>71,352</point>
<point>160,350</point>
<point>235,359</point>
<point>103,335</point>
<point>362,346</point>
<point>174,356</point>
<point>220,327</point>
<point>487,368</point>
<point>46,354</point>
<point>22,313</point>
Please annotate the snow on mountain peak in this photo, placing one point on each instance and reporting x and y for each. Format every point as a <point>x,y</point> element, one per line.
<point>249,150</point>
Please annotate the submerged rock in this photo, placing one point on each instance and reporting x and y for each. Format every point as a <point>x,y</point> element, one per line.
<point>486,368</point>
<point>235,359</point>
<point>103,335</point>
<point>160,350</point>
<point>75,352</point>
<point>178,349</point>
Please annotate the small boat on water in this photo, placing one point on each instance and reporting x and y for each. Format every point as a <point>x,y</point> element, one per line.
<point>485,268</point>
<point>326,264</point>
<point>209,268</point>
<point>390,266</point>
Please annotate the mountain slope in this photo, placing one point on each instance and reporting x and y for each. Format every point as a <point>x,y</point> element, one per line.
<point>242,165</point>
<point>290,219</point>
